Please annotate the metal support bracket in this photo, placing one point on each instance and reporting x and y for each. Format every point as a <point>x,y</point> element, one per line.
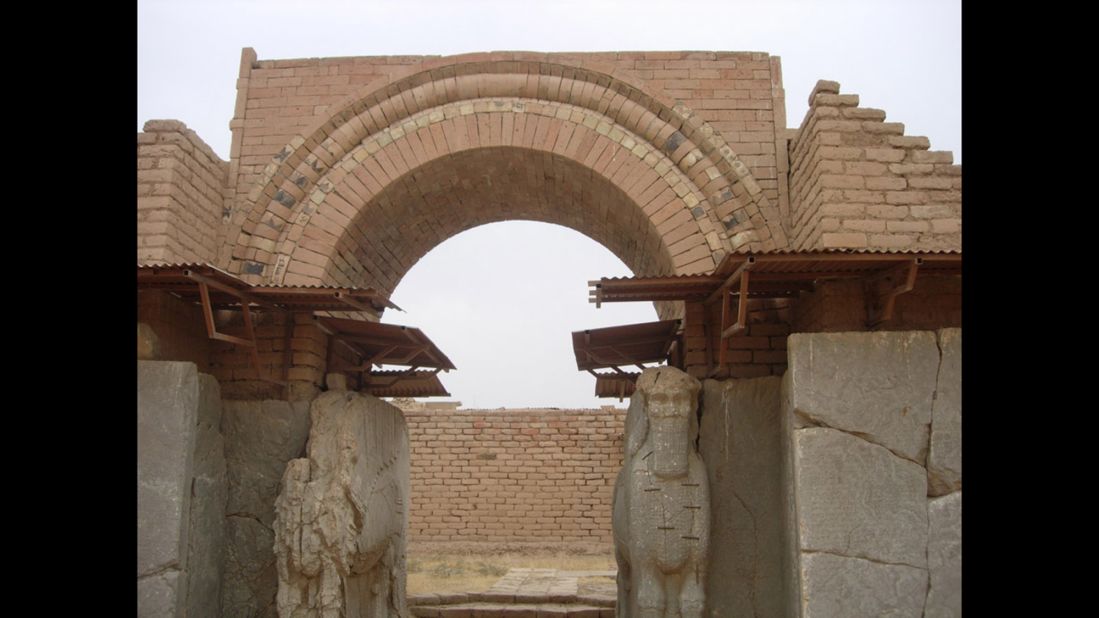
<point>883,289</point>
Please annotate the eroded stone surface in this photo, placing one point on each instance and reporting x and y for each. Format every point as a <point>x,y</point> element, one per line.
<point>834,586</point>
<point>260,438</point>
<point>944,462</point>
<point>167,404</point>
<point>156,595</point>
<point>740,445</point>
<point>944,556</point>
<point>209,489</point>
<point>250,582</point>
<point>148,344</point>
<point>857,499</point>
<point>342,514</point>
<point>878,385</point>
<point>661,501</point>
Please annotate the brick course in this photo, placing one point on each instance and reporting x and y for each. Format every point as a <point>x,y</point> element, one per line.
<point>181,190</point>
<point>525,476</point>
<point>857,181</point>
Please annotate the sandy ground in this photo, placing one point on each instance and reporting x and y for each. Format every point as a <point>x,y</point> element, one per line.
<point>475,568</point>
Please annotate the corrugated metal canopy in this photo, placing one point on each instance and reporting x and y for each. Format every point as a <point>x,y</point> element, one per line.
<point>386,344</point>
<point>405,384</point>
<point>631,344</point>
<point>619,385</point>
<point>227,291</point>
<point>773,275</point>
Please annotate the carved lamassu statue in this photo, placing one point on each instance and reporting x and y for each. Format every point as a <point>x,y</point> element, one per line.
<point>341,515</point>
<point>662,501</point>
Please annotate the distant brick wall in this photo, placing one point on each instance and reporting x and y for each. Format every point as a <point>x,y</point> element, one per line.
<point>181,191</point>
<point>857,181</point>
<point>523,476</point>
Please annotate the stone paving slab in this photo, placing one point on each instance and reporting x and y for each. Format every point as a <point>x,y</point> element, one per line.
<point>521,593</point>
<point>515,610</point>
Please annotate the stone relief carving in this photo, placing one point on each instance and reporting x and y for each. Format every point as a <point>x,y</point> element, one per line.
<point>662,501</point>
<point>341,523</point>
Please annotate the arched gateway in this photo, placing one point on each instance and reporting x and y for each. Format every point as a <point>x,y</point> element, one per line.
<point>818,268</point>
<point>381,177</point>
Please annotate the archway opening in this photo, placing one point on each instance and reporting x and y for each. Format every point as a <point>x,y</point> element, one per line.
<point>501,300</point>
<point>521,475</point>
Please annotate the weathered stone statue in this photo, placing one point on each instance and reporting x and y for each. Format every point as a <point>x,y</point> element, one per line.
<point>341,517</point>
<point>662,501</point>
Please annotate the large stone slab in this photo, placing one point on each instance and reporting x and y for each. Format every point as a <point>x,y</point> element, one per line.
<point>206,535</point>
<point>157,595</point>
<point>167,397</point>
<point>740,443</point>
<point>250,581</point>
<point>858,499</point>
<point>875,384</point>
<point>944,556</point>
<point>944,462</point>
<point>836,586</point>
<point>260,438</point>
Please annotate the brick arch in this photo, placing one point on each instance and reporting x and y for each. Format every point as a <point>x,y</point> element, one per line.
<point>656,204</point>
<point>376,125</point>
<point>473,187</point>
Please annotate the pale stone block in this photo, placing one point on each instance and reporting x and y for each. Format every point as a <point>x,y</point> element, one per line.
<point>167,397</point>
<point>944,462</point>
<point>944,556</point>
<point>835,586</point>
<point>740,444</point>
<point>858,499</point>
<point>260,438</point>
<point>878,385</point>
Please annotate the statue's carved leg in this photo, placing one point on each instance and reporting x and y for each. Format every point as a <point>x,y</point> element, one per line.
<point>672,585</point>
<point>692,599</point>
<point>622,608</point>
<point>650,591</point>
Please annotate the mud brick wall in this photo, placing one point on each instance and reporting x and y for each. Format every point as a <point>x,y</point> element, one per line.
<point>857,181</point>
<point>181,191</point>
<point>739,93</point>
<point>527,476</point>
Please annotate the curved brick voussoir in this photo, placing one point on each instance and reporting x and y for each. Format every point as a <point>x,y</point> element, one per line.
<point>652,206</point>
<point>667,135</point>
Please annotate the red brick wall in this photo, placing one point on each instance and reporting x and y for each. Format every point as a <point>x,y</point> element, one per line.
<point>761,351</point>
<point>526,476</point>
<point>838,306</point>
<point>180,331</point>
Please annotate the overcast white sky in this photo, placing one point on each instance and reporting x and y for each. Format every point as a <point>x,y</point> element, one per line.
<point>511,342</point>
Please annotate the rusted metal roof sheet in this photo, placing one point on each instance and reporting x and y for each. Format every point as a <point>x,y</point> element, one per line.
<point>227,291</point>
<point>405,384</point>
<point>386,344</point>
<point>843,262</point>
<point>620,385</point>
<point>773,275</point>
<point>631,344</point>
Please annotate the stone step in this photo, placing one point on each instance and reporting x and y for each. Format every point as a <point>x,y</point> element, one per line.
<point>512,610</point>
